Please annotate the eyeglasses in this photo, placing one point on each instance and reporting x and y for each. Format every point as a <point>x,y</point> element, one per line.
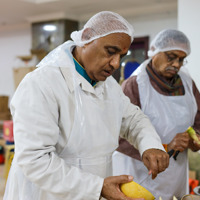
<point>171,58</point>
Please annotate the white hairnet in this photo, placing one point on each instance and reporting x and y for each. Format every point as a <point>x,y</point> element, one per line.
<point>100,25</point>
<point>168,40</point>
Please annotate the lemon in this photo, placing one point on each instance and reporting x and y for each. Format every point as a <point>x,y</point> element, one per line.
<point>134,190</point>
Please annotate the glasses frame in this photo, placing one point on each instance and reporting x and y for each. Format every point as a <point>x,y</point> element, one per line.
<point>175,59</point>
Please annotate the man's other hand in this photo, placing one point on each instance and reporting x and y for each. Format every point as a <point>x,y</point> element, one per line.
<point>111,188</point>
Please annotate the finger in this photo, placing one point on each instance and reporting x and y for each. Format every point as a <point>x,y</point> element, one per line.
<point>122,179</point>
<point>154,174</point>
<point>180,149</point>
<point>182,146</point>
<point>194,146</point>
<point>196,143</point>
<point>150,172</point>
<point>160,164</point>
<point>165,160</point>
<point>153,167</point>
<point>186,134</point>
<point>163,164</point>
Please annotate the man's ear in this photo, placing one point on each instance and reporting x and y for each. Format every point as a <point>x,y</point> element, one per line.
<point>87,34</point>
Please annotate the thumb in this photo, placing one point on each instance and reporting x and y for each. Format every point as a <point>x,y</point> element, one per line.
<point>124,179</point>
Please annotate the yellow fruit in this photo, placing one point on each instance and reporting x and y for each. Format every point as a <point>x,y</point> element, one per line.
<point>193,134</point>
<point>134,190</point>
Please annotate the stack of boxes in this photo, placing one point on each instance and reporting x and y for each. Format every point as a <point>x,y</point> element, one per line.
<point>4,115</point>
<point>9,145</point>
<point>4,110</point>
<point>6,136</point>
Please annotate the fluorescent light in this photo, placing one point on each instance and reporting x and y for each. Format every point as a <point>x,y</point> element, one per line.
<point>49,27</point>
<point>40,1</point>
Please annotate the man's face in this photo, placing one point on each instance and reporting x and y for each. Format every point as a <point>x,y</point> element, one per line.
<point>102,56</point>
<point>167,64</point>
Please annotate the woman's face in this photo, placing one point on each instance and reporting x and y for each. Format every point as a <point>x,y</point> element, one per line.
<point>101,57</point>
<point>167,64</point>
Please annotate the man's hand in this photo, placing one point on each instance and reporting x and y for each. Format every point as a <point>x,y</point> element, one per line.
<point>155,160</point>
<point>180,142</point>
<point>194,145</point>
<point>183,141</point>
<point>111,188</point>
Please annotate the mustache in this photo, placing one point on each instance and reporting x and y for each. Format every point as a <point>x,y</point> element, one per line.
<point>172,68</point>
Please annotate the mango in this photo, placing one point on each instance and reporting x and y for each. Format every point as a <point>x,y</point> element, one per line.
<point>193,134</point>
<point>134,190</point>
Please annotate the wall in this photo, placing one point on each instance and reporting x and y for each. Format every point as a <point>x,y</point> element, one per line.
<point>188,22</point>
<point>16,41</point>
<point>153,25</point>
<point>150,26</point>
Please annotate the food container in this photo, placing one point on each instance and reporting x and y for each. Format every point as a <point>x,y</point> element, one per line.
<point>197,191</point>
<point>190,197</point>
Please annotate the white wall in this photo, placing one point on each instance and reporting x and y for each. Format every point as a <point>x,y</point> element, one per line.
<point>188,22</point>
<point>150,26</point>
<point>16,41</point>
<point>153,25</point>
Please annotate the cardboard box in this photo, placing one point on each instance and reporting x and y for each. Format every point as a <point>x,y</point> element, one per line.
<point>4,103</point>
<point>19,74</point>
<point>5,115</point>
<point>192,174</point>
<point>2,142</point>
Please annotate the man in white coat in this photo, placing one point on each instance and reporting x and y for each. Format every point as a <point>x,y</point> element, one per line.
<point>68,115</point>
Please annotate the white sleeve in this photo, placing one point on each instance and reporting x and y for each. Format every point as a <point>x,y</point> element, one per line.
<point>137,128</point>
<point>35,116</point>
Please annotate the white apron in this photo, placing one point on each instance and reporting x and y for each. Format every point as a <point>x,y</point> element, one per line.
<point>85,149</point>
<point>177,113</point>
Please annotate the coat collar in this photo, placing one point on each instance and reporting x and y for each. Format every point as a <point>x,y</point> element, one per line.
<point>62,57</point>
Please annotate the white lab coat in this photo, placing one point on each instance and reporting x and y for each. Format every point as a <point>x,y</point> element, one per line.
<point>65,132</point>
<point>169,115</point>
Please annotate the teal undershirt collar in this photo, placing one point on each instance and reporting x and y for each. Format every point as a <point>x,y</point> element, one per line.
<point>83,73</point>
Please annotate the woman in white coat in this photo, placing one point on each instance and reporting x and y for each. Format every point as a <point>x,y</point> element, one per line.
<point>68,115</point>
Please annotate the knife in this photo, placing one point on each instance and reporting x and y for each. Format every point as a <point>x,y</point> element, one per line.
<point>170,153</point>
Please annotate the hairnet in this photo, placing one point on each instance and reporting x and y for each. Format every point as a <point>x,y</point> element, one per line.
<point>168,40</point>
<point>100,25</point>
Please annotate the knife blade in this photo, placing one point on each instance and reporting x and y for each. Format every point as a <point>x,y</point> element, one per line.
<point>145,179</point>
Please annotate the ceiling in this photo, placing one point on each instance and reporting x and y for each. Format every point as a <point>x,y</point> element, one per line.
<point>14,12</point>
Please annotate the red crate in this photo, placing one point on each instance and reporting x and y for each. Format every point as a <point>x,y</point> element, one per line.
<point>8,130</point>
